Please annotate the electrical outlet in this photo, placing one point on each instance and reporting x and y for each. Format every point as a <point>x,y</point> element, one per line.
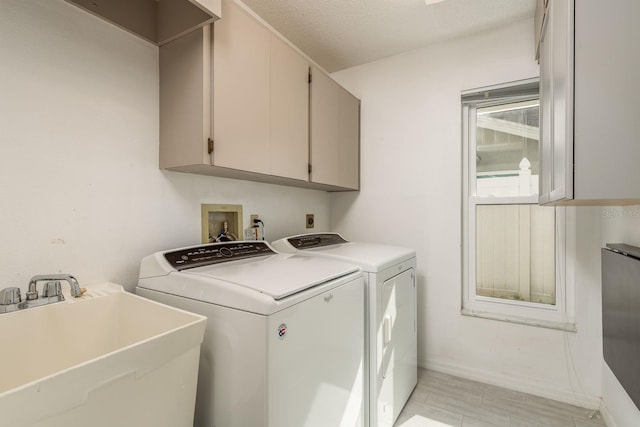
<point>310,221</point>
<point>252,218</point>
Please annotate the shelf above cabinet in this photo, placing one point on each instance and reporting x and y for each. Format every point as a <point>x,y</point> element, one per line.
<point>157,21</point>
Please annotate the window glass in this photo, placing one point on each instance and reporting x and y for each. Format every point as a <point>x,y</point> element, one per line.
<point>507,137</point>
<point>515,252</point>
<point>515,243</point>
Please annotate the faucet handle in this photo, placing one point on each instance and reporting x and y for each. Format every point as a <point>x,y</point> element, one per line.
<point>52,289</point>
<point>10,296</point>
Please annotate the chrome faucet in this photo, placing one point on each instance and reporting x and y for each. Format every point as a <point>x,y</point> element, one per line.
<point>11,300</point>
<point>32,293</point>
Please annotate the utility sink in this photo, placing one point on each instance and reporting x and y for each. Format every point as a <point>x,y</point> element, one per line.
<point>108,358</point>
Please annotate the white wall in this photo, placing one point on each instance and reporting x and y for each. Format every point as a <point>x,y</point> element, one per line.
<point>619,225</point>
<point>81,191</point>
<point>411,196</point>
<point>79,180</point>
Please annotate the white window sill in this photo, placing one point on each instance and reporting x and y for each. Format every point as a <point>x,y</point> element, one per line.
<point>548,324</point>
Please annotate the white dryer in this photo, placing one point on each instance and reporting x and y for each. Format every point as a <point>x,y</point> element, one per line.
<point>391,315</point>
<point>284,342</point>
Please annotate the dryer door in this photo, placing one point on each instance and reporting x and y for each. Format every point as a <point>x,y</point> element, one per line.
<point>399,348</point>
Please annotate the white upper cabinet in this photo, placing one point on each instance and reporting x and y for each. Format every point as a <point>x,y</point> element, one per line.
<point>235,102</point>
<point>241,91</point>
<point>289,137</point>
<point>349,134</point>
<point>185,101</point>
<point>335,133</point>
<point>589,57</point>
<point>556,87</point>
<point>325,129</point>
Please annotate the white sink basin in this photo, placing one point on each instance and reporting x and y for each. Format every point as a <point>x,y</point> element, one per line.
<point>109,358</point>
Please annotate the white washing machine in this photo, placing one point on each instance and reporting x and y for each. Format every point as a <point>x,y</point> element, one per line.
<point>391,336</point>
<point>284,342</point>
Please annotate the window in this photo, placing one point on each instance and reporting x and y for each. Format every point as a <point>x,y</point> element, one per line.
<point>514,250</point>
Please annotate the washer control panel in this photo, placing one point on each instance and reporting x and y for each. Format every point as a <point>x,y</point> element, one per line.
<point>216,253</point>
<point>315,240</point>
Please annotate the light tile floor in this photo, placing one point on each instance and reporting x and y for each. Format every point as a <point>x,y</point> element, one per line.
<point>441,400</point>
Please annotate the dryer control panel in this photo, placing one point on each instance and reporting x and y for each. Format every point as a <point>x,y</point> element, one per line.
<point>315,240</point>
<point>198,256</point>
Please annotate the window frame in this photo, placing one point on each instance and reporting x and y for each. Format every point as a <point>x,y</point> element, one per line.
<point>558,316</point>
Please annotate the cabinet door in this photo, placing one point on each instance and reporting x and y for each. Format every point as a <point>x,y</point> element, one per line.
<point>556,103</point>
<point>349,140</point>
<point>607,90</point>
<point>289,136</point>
<point>325,133</point>
<point>538,20</point>
<point>241,83</point>
<point>562,108</point>
<point>185,114</point>
<point>545,181</point>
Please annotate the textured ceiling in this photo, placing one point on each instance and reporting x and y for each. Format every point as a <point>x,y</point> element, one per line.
<point>339,34</point>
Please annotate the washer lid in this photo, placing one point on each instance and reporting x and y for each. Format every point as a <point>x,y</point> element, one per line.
<point>277,275</point>
<point>371,257</point>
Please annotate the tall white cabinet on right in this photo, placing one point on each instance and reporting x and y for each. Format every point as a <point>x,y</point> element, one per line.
<point>589,95</point>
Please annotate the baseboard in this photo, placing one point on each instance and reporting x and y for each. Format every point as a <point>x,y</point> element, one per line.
<point>606,415</point>
<point>513,382</point>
